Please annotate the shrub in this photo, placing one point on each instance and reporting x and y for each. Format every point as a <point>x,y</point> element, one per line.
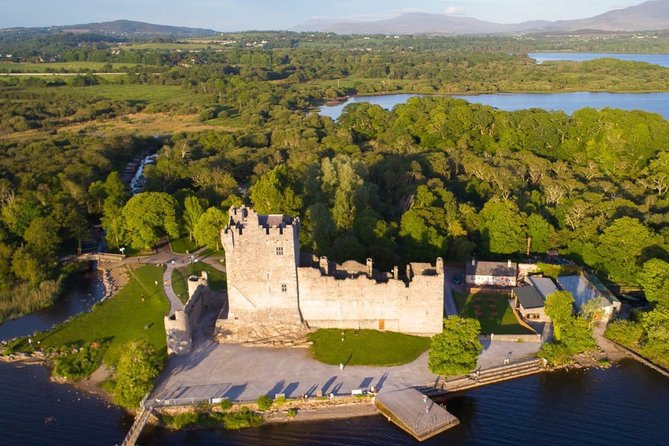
<point>225,404</point>
<point>625,332</point>
<point>292,413</point>
<point>280,401</point>
<point>556,354</point>
<point>81,364</point>
<point>180,420</point>
<point>264,402</point>
<point>241,419</point>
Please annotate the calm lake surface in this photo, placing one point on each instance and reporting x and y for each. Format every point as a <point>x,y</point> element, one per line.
<point>84,290</point>
<point>656,59</point>
<point>626,404</point>
<point>567,102</point>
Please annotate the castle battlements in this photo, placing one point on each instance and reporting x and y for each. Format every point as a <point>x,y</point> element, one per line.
<point>267,284</point>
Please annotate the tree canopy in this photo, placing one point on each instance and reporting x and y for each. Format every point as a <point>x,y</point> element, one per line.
<point>454,351</point>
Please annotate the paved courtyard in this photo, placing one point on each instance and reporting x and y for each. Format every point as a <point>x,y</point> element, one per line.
<point>241,373</point>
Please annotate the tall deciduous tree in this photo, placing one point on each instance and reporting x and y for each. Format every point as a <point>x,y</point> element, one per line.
<point>541,232</point>
<point>654,278</point>
<point>116,196</point>
<point>503,230</point>
<point>148,217</point>
<point>207,231</point>
<point>42,237</point>
<point>455,349</point>
<point>136,369</point>
<point>274,192</point>
<point>192,213</point>
<point>621,248</point>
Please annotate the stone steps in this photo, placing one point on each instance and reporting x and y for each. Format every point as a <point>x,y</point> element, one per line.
<point>487,376</point>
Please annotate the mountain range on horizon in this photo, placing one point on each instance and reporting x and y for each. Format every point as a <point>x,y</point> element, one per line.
<point>651,15</point>
<point>123,28</point>
<point>648,16</point>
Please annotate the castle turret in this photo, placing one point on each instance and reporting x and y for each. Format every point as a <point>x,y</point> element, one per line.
<point>261,254</point>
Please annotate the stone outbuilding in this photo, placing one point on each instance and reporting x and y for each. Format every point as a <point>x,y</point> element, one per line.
<point>494,274</point>
<point>529,303</point>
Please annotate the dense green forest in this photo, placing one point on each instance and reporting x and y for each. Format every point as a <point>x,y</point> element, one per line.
<point>433,177</point>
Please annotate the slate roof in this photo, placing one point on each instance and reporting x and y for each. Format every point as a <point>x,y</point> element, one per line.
<point>528,297</point>
<point>544,285</point>
<point>496,269</point>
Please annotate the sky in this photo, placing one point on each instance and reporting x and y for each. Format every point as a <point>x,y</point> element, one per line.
<point>239,15</point>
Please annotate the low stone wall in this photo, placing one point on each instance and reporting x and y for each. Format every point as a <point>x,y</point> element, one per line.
<point>516,338</point>
<point>489,290</point>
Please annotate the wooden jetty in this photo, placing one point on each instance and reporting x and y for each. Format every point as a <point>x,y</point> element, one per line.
<point>415,413</point>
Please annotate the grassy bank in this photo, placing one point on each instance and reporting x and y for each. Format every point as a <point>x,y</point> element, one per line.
<point>492,311</point>
<point>630,335</point>
<point>117,321</point>
<point>366,347</point>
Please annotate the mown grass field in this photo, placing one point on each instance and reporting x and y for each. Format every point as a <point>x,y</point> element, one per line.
<point>366,347</point>
<point>121,319</point>
<point>183,245</point>
<point>492,311</point>
<point>180,276</point>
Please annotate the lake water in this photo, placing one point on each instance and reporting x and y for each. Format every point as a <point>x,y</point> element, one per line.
<point>623,405</point>
<point>656,59</point>
<point>84,290</point>
<point>567,102</point>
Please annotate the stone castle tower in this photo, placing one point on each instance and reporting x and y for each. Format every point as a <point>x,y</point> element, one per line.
<point>262,255</point>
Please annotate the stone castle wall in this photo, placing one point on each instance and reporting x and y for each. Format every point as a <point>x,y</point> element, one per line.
<point>180,325</point>
<point>414,307</point>
<point>261,255</point>
<point>266,284</point>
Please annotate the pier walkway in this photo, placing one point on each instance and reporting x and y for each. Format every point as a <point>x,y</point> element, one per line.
<point>415,413</point>
<point>137,427</point>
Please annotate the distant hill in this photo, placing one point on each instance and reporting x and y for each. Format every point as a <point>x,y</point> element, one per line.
<point>649,16</point>
<point>124,28</point>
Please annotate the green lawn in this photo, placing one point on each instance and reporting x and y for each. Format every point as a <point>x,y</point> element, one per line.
<point>120,319</point>
<point>366,347</point>
<point>183,245</point>
<point>180,275</point>
<point>494,312</point>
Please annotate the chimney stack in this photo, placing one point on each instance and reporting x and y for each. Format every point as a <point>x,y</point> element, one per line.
<point>440,265</point>
<point>508,263</point>
<point>396,273</point>
<point>370,268</point>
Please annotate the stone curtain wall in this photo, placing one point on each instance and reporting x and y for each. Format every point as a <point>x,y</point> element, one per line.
<point>267,288</point>
<point>361,302</point>
<point>261,264</point>
<point>179,326</point>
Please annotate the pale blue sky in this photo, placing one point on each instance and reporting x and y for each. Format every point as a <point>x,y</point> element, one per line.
<point>234,15</point>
